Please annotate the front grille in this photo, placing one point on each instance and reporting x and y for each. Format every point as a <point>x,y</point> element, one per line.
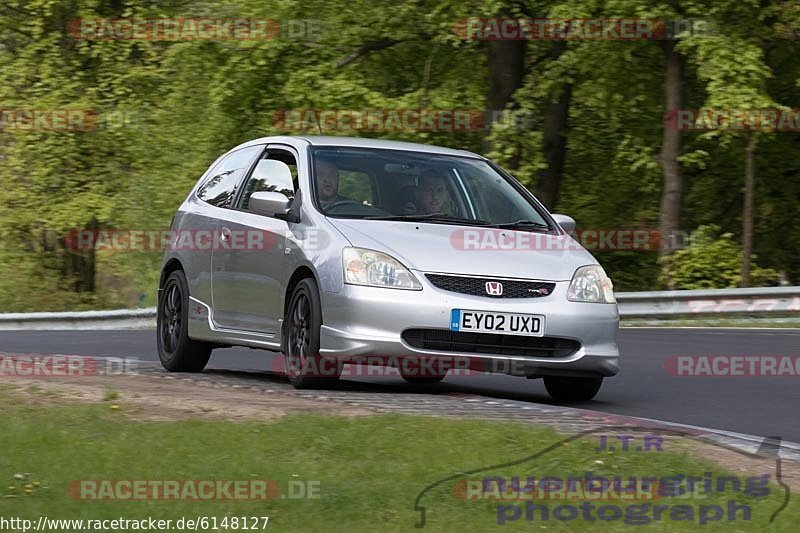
<point>512,288</point>
<point>444,340</point>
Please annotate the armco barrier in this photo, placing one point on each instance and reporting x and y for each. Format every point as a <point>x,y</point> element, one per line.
<point>763,301</point>
<point>662,305</point>
<point>115,319</point>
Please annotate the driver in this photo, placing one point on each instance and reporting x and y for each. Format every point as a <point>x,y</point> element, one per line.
<point>328,183</point>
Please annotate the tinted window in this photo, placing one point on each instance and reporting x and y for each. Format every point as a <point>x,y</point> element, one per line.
<point>220,187</point>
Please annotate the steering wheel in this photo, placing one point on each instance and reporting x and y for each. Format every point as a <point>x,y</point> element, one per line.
<point>342,202</point>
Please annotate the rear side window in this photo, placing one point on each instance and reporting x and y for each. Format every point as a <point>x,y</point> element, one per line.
<point>220,187</point>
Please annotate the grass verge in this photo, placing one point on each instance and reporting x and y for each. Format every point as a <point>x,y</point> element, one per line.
<point>367,472</point>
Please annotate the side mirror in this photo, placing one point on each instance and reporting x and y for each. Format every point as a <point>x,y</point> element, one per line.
<point>269,203</point>
<point>566,223</point>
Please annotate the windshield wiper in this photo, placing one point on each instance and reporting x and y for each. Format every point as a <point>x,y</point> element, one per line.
<point>433,217</point>
<point>523,224</point>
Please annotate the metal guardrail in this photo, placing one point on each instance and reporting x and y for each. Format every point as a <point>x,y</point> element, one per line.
<point>115,319</point>
<point>720,303</point>
<point>666,305</point>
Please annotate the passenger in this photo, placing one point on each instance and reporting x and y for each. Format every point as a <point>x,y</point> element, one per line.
<point>432,195</point>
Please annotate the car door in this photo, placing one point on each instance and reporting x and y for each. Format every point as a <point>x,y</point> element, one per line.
<point>198,222</point>
<point>248,274</point>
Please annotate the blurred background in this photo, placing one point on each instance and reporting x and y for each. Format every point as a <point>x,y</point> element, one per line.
<point>587,124</point>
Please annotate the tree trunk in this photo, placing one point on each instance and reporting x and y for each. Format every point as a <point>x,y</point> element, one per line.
<point>672,192</point>
<point>554,139</point>
<point>79,266</point>
<point>747,212</point>
<point>506,72</point>
<point>554,147</point>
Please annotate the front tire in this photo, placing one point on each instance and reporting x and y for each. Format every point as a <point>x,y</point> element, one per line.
<point>304,366</point>
<point>565,389</point>
<point>176,351</point>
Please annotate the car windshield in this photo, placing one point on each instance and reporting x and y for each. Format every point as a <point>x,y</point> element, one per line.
<point>413,186</point>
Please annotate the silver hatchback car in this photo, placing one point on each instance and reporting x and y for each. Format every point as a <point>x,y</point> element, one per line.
<point>334,250</point>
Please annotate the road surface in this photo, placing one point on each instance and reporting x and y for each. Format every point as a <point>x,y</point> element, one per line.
<point>765,406</point>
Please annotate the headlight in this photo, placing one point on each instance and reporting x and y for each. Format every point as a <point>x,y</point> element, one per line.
<point>591,284</point>
<point>368,267</point>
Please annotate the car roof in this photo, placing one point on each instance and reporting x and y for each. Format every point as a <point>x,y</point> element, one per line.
<point>362,142</point>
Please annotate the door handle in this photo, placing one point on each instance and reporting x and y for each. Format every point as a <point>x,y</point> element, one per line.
<point>224,234</point>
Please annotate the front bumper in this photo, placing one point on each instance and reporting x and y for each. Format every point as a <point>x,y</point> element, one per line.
<point>369,321</point>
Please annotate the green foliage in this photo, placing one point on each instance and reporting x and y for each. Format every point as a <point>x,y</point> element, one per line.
<point>168,109</point>
<point>712,260</point>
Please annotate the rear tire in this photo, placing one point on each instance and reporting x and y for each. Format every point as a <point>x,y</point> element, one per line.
<point>565,389</point>
<point>176,351</point>
<point>304,366</point>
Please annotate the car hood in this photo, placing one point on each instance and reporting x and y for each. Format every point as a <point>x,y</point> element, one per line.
<point>469,250</point>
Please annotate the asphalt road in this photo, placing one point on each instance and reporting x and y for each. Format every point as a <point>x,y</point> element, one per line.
<point>766,406</point>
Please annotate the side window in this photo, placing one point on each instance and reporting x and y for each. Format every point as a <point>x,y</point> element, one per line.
<point>220,188</point>
<point>276,171</point>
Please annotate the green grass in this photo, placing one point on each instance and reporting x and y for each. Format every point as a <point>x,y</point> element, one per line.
<point>370,469</point>
<point>110,396</point>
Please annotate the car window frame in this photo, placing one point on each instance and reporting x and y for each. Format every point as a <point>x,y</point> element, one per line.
<point>237,188</point>
<point>240,191</point>
<point>462,189</point>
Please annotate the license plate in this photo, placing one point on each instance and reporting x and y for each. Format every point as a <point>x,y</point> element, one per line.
<point>502,323</point>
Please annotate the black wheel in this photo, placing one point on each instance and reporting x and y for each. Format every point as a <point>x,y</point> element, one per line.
<point>177,352</point>
<point>565,389</point>
<point>304,366</point>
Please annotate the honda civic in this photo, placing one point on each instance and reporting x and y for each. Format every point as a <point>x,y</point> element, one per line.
<point>335,250</point>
